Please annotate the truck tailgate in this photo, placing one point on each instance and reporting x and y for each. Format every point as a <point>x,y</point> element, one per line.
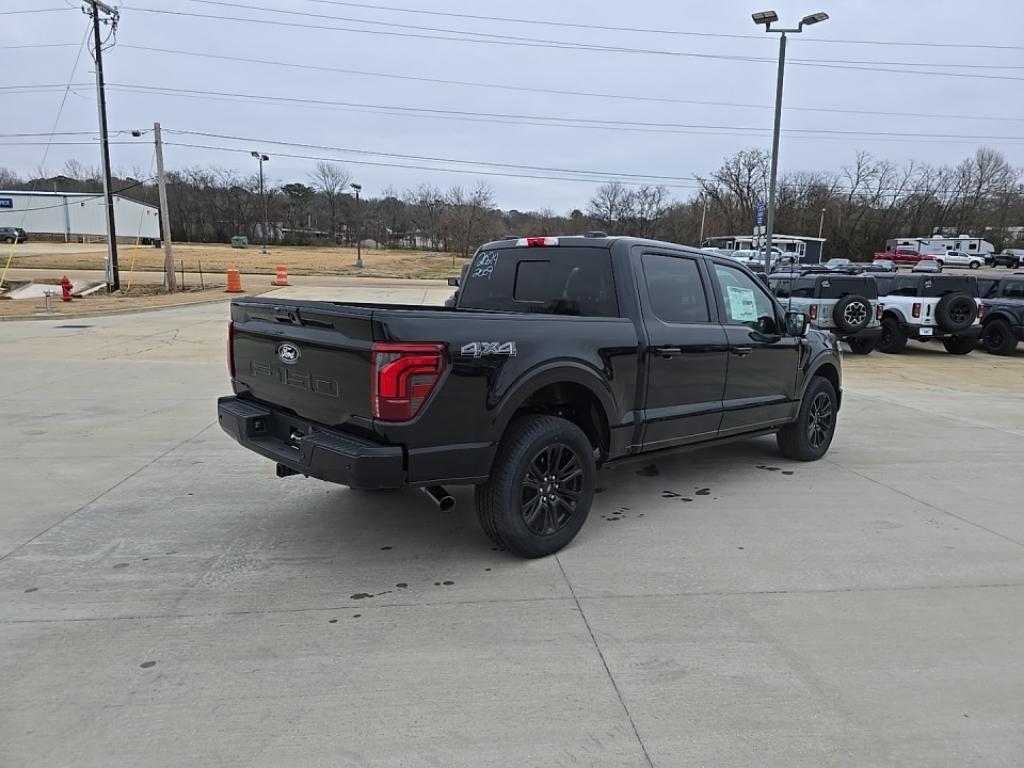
<point>311,358</point>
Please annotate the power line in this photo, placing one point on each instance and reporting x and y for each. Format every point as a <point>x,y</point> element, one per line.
<point>601,174</point>
<point>429,158</point>
<point>559,92</point>
<point>419,167</point>
<point>647,30</point>
<point>37,10</point>
<point>558,120</point>
<point>37,45</point>
<point>516,40</point>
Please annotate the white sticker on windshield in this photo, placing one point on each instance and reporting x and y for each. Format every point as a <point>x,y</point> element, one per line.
<point>484,266</point>
<point>742,306</point>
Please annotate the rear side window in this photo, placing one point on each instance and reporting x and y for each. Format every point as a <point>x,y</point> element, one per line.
<point>837,287</point>
<point>1014,289</point>
<point>554,280</point>
<point>675,289</point>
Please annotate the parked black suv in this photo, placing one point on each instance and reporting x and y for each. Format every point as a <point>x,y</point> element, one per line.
<point>13,234</point>
<point>1002,320</point>
<point>561,354</point>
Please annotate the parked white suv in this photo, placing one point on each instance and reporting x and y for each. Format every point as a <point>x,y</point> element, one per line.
<point>960,259</point>
<point>929,307</point>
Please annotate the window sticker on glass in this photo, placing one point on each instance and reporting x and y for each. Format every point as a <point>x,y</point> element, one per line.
<point>742,306</point>
<point>485,264</point>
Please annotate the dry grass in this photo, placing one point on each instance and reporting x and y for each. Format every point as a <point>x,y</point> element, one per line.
<point>139,297</point>
<point>215,258</point>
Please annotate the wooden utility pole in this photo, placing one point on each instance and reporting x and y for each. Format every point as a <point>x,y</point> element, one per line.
<point>94,8</point>
<point>165,220</point>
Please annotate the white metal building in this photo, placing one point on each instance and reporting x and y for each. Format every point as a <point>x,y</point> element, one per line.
<point>74,215</point>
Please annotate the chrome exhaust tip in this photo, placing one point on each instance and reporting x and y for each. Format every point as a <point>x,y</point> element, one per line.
<point>444,500</point>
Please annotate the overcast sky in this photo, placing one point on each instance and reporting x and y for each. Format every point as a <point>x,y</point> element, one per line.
<point>985,103</point>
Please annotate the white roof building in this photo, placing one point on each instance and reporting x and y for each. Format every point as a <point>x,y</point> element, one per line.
<point>72,215</point>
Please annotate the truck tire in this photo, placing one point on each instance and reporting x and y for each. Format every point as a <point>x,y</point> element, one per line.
<point>809,437</point>
<point>893,340</point>
<point>852,313</point>
<point>955,312</point>
<point>998,338</point>
<point>862,346</point>
<point>541,486</point>
<point>959,345</point>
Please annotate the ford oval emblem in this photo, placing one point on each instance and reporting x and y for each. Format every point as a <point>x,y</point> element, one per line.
<point>288,353</point>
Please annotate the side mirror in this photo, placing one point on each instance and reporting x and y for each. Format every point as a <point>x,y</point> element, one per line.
<point>796,323</point>
<point>453,282</point>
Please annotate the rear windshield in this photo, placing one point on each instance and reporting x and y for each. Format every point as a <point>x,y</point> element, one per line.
<point>553,280</point>
<point>926,286</point>
<point>824,287</point>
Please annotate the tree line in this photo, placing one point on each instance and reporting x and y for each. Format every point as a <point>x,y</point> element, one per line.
<point>856,208</point>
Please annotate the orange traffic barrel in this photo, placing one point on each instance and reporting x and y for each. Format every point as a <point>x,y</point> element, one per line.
<point>282,275</point>
<point>234,281</point>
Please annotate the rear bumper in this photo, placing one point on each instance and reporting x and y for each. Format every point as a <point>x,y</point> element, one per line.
<point>311,449</point>
<point>869,333</point>
<point>930,332</point>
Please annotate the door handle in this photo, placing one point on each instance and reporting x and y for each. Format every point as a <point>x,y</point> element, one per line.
<point>741,351</point>
<point>668,351</point>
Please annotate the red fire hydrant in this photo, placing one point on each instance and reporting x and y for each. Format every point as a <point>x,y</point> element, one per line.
<point>65,289</point>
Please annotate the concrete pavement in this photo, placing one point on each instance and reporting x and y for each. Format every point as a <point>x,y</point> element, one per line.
<point>165,600</point>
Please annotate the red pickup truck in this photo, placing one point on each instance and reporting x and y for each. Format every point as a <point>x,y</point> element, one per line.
<point>902,256</point>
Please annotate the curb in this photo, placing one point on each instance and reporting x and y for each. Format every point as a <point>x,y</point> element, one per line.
<point>132,311</point>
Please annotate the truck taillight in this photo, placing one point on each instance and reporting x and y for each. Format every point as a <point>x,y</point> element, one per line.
<point>917,309</point>
<point>878,312</point>
<point>231,348</point>
<point>402,378</point>
<point>813,314</point>
<point>536,242</point>
<point>981,310</point>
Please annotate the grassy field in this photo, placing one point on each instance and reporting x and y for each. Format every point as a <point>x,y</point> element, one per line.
<point>216,258</point>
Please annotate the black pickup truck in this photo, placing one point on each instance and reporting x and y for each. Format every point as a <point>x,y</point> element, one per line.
<point>559,356</point>
<point>1002,314</point>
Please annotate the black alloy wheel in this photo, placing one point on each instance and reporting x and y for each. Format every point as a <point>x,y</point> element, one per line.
<point>551,488</point>
<point>821,420</point>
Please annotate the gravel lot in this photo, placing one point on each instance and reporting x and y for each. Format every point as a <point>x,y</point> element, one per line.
<point>165,600</point>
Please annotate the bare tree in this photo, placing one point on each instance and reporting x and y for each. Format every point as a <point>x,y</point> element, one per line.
<point>427,205</point>
<point>331,180</point>
<point>469,218</point>
<point>612,206</point>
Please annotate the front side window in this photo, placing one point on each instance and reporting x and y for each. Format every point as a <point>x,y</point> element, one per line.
<point>675,289</point>
<point>745,301</point>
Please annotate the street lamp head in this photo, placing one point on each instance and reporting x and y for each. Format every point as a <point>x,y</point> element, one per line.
<point>255,154</point>
<point>814,18</point>
<point>356,187</point>
<point>765,17</point>
<point>265,158</point>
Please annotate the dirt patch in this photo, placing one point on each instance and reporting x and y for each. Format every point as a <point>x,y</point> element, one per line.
<point>135,298</point>
<point>217,259</point>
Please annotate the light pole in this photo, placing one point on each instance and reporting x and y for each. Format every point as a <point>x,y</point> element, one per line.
<point>821,224</point>
<point>357,188</point>
<point>266,222</point>
<point>767,18</point>
<point>703,218</point>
